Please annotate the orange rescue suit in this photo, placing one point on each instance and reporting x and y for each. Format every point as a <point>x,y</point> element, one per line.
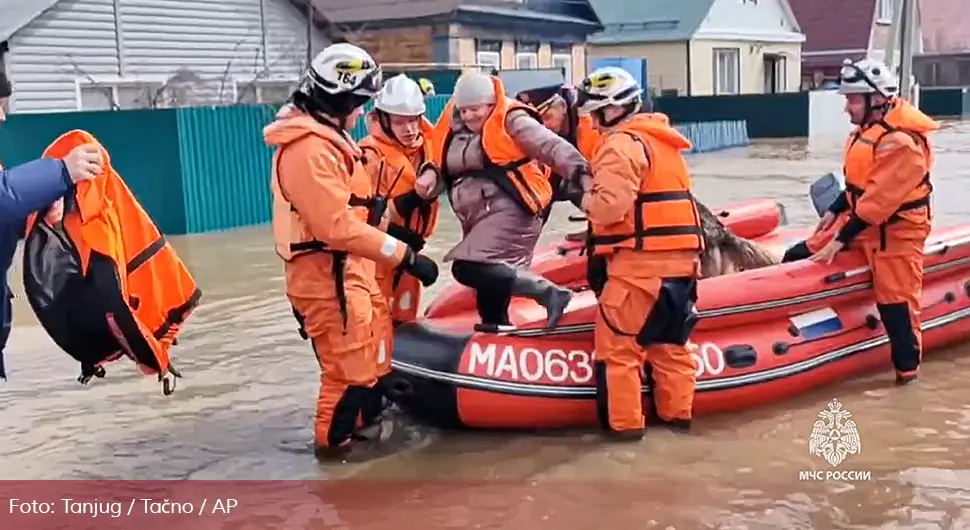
<point>394,170</point>
<point>644,222</point>
<point>523,179</point>
<point>104,282</point>
<point>322,219</point>
<point>885,213</point>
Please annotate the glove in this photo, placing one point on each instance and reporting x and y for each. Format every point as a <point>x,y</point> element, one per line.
<point>596,275</point>
<point>420,266</point>
<point>575,188</point>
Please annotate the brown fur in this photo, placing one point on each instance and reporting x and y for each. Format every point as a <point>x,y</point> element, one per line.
<point>726,253</point>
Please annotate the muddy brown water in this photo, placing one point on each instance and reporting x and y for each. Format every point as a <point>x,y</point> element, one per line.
<point>243,409</point>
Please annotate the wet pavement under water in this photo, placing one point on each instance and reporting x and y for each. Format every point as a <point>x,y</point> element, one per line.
<point>243,409</point>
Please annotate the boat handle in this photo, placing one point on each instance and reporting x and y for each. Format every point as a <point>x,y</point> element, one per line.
<point>578,218</point>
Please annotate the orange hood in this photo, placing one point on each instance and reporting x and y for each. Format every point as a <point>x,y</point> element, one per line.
<point>658,126</point>
<point>291,124</point>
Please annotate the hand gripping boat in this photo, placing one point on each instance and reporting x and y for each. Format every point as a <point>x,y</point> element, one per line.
<point>763,335</point>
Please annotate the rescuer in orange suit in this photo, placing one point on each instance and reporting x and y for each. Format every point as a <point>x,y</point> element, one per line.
<point>643,220</point>
<point>398,149</point>
<point>556,104</point>
<point>884,211</point>
<point>324,222</point>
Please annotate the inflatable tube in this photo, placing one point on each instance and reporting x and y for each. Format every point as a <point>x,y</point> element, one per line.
<point>565,262</point>
<point>764,335</point>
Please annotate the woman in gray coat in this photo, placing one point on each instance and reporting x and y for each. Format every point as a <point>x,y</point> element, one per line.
<point>498,235</point>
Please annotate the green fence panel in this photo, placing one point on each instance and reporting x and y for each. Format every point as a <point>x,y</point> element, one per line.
<point>766,115</point>
<point>225,166</point>
<point>143,145</point>
<point>945,102</point>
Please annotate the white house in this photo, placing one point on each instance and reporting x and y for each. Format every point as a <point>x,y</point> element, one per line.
<point>703,47</point>
<point>67,55</point>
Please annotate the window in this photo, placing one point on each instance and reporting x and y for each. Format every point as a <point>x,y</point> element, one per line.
<point>562,57</point>
<point>527,55</point>
<point>727,69</point>
<point>489,61</point>
<point>488,55</point>
<point>886,10</point>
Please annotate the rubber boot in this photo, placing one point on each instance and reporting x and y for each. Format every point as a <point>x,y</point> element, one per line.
<point>547,294</point>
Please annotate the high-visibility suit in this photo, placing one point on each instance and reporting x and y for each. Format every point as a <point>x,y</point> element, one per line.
<point>884,213</point>
<point>321,216</point>
<point>393,169</point>
<point>644,222</point>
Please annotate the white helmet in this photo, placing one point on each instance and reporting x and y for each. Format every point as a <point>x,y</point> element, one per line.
<point>401,96</point>
<point>867,76</point>
<point>341,78</point>
<point>608,86</point>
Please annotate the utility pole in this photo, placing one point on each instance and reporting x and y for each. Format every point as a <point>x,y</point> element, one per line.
<point>908,34</point>
<point>309,34</point>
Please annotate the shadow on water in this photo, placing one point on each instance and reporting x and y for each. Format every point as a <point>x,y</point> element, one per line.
<point>243,409</point>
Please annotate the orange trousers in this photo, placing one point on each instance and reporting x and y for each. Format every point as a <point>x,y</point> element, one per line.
<point>897,282</point>
<point>629,299</point>
<point>347,354</point>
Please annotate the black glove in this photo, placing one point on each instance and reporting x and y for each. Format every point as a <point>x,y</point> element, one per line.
<point>596,275</point>
<point>575,188</point>
<point>420,266</point>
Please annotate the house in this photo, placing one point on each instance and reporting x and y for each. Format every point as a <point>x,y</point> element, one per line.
<point>496,34</point>
<point>67,55</point>
<point>836,30</point>
<point>945,61</point>
<point>703,47</point>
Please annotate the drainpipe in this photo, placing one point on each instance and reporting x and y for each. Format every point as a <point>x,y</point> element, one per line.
<point>906,49</point>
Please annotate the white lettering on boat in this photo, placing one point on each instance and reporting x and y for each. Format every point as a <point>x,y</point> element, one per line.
<point>531,365</point>
<point>708,358</point>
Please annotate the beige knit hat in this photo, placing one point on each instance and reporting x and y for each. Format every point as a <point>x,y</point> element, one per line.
<point>473,89</point>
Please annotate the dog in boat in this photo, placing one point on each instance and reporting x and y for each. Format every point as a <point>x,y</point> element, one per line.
<point>726,253</point>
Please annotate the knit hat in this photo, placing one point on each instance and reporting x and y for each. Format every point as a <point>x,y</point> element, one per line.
<point>5,89</point>
<point>473,89</point>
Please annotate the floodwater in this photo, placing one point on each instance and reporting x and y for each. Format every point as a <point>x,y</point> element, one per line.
<point>243,409</point>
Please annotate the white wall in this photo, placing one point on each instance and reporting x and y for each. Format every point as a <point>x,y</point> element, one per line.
<point>764,19</point>
<point>826,114</point>
<point>99,54</point>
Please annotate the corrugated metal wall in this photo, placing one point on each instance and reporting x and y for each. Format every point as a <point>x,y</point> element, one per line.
<point>143,144</point>
<point>74,40</point>
<point>225,166</point>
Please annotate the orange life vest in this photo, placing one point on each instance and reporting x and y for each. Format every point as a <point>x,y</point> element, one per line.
<point>523,179</point>
<point>104,282</point>
<point>860,152</point>
<point>397,177</point>
<point>293,237</point>
<point>587,137</point>
<point>664,217</point>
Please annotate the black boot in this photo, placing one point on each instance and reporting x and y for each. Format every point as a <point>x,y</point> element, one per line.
<point>549,295</point>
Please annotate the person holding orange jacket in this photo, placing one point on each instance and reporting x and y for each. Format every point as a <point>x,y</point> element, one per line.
<point>884,212</point>
<point>399,147</point>
<point>644,222</point>
<point>324,225</point>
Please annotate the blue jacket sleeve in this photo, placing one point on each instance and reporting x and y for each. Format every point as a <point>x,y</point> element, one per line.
<point>29,187</point>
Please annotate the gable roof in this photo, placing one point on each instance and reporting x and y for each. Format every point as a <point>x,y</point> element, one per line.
<point>648,20</point>
<point>945,25</point>
<point>19,13</point>
<point>835,26</point>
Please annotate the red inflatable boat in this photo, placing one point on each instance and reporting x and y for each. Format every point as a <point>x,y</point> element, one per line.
<point>763,335</point>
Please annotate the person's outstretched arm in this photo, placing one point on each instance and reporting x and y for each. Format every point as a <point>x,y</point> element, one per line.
<point>29,187</point>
